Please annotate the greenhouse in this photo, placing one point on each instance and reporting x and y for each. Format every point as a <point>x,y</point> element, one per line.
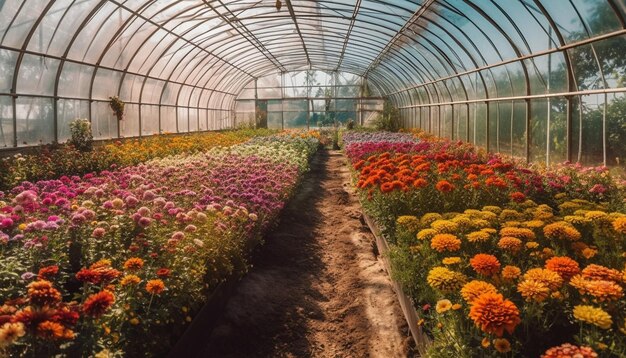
<point>290,178</point>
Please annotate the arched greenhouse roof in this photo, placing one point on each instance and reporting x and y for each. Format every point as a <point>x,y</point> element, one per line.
<point>180,65</point>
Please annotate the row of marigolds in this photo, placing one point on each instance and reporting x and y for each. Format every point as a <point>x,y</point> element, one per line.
<point>500,259</point>
<point>94,265</point>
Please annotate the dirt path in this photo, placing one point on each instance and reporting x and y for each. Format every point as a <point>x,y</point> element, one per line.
<point>317,288</point>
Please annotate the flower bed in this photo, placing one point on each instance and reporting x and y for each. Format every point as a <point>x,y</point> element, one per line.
<point>99,263</point>
<point>501,258</point>
<point>51,162</point>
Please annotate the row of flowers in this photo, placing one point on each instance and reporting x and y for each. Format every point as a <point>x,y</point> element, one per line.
<point>95,264</point>
<point>53,161</point>
<point>500,258</point>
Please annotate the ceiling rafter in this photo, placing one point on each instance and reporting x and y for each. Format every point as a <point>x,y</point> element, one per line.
<point>357,6</point>
<point>295,22</point>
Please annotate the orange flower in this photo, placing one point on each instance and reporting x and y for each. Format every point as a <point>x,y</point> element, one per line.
<point>564,266</point>
<point>420,183</point>
<point>510,273</point>
<point>133,264</point>
<point>619,225</point>
<point>155,287</point>
<point>561,230</point>
<point>50,330</point>
<point>97,304</point>
<point>130,280</point>
<point>502,345</point>
<point>475,288</point>
<point>511,244</point>
<point>601,290</point>
<point>46,273</point>
<point>444,186</point>
<point>386,187</point>
<point>493,314</point>
<point>549,278</point>
<point>533,290</point>
<point>518,232</point>
<point>485,264</point>
<point>42,293</point>
<point>598,272</point>
<point>445,242</point>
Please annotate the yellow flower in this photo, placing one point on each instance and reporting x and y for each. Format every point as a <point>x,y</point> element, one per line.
<point>445,226</point>
<point>480,223</point>
<point>489,230</point>
<point>444,279</point>
<point>408,222</point>
<point>502,345</point>
<point>518,232</point>
<point>443,306</point>
<point>475,288</point>
<point>533,224</point>
<point>451,260</point>
<point>426,234</point>
<point>576,220</point>
<point>561,230</point>
<point>429,218</point>
<point>532,245</point>
<point>11,332</point>
<point>478,236</point>
<point>492,208</point>
<point>22,226</point>
<point>456,306</point>
<point>509,214</point>
<point>533,290</point>
<point>595,215</point>
<point>593,315</point>
<point>130,280</point>
<point>549,278</point>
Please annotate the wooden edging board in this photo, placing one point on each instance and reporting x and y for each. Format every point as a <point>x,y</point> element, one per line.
<point>408,308</point>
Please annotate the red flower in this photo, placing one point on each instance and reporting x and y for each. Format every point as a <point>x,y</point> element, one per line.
<point>517,197</point>
<point>444,186</point>
<point>163,272</point>
<point>46,273</point>
<point>97,304</point>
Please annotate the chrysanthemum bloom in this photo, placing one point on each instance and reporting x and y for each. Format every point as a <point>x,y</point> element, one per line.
<point>547,277</point>
<point>444,186</point>
<point>619,225</point>
<point>50,330</point>
<point>444,279</point>
<point>561,231</point>
<point>492,208</point>
<point>569,350</point>
<point>593,315</point>
<point>11,332</point>
<point>98,304</point>
<point>511,244</point>
<point>564,266</point>
<point>493,314</point>
<point>533,224</point>
<point>517,197</point>
<point>155,287</point>
<point>443,306</point>
<point>133,264</point>
<point>510,272</point>
<point>130,280</point>
<point>478,236</point>
<point>426,234</point>
<point>408,222</point>
<point>509,214</point>
<point>42,293</point>
<point>502,345</point>
<point>576,220</point>
<point>485,264</point>
<point>598,272</point>
<point>475,288</point>
<point>531,245</point>
<point>601,290</point>
<point>596,215</point>
<point>518,232</point>
<point>533,290</point>
<point>451,260</point>
<point>48,272</point>
<point>445,226</point>
<point>445,242</point>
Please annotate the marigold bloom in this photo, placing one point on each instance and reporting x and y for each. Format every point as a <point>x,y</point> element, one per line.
<point>11,332</point>
<point>386,187</point>
<point>533,224</point>
<point>48,272</point>
<point>493,314</point>
<point>518,232</point>
<point>562,231</point>
<point>517,197</point>
<point>155,287</point>
<point>429,218</point>
<point>478,236</point>
<point>98,304</point>
<point>502,345</point>
<point>451,260</point>
<point>444,279</point>
<point>408,222</point>
<point>569,350</point>
<point>50,330</point>
<point>445,242</point>
<point>598,272</point>
<point>564,266</point>
<point>426,234</point>
<point>42,293</point>
<point>619,225</point>
<point>485,264</point>
<point>511,273</point>
<point>533,290</point>
<point>133,264</point>
<point>593,315</point>
<point>444,186</point>
<point>443,306</point>
<point>475,288</point>
<point>601,290</point>
<point>445,226</point>
<point>547,277</point>
<point>130,280</point>
<point>511,244</point>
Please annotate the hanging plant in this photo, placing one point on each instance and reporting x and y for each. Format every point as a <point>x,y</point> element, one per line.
<point>117,105</point>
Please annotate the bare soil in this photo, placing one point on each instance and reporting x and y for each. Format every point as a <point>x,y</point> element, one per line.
<point>317,288</point>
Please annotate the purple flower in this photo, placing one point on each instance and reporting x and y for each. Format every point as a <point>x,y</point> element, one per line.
<point>27,276</point>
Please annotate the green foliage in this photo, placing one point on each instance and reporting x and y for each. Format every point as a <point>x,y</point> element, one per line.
<point>81,136</point>
<point>389,119</point>
<point>117,105</point>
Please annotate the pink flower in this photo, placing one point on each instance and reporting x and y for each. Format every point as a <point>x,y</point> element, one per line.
<point>98,232</point>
